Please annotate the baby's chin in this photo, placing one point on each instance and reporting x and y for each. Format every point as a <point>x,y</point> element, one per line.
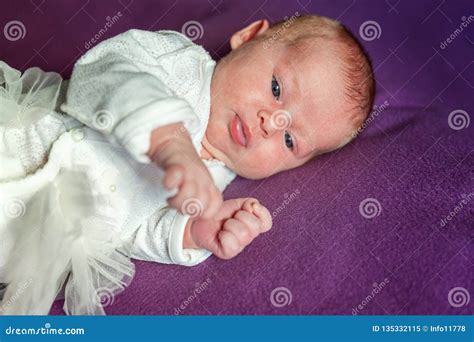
<point>251,172</point>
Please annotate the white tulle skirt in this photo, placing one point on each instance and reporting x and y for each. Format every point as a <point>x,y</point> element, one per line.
<point>57,232</point>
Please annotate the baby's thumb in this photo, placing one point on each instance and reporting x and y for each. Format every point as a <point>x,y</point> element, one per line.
<point>248,204</point>
<point>263,215</point>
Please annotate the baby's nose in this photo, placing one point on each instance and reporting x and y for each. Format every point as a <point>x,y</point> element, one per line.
<point>266,124</point>
<point>276,121</point>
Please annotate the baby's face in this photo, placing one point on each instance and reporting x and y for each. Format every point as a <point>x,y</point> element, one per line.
<point>274,108</point>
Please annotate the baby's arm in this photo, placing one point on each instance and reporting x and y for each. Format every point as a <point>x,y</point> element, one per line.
<point>236,225</point>
<point>119,87</point>
<point>171,238</point>
<point>160,239</point>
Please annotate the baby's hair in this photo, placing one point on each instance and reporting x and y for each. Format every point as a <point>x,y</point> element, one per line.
<point>356,64</point>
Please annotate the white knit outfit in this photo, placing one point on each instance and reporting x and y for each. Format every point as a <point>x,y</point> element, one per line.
<point>79,195</point>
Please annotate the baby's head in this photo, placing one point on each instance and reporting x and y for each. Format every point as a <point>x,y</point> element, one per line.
<point>286,94</point>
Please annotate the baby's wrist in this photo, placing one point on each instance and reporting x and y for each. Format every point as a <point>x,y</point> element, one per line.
<point>166,139</point>
<point>188,241</point>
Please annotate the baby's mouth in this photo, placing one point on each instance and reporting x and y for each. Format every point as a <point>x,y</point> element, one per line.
<point>237,131</point>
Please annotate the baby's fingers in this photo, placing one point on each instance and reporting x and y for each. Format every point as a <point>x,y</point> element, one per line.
<point>228,247</point>
<point>252,224</point>
<point>263,215</point>
<point>249,203</point>
<point>186,200</point>
<point>237,233</point>
<point>253,206</point>
<point>233,237</point>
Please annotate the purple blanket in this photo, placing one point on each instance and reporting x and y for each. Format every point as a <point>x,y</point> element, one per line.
<point>383,226</point>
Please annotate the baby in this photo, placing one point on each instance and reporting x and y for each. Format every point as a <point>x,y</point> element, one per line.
<point>275,104</point>
<point>284,95</point>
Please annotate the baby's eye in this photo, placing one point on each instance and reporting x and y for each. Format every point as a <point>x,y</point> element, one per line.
<point>275,88</point>
<point>288,140</point>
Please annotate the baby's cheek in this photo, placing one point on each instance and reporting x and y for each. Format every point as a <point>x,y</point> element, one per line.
<point>259,162</point>
<point>274,153</point>
<point>264,165</point>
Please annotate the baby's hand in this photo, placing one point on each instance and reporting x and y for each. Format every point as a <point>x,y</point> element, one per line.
<point>174,152</point>
<point>237,223</point>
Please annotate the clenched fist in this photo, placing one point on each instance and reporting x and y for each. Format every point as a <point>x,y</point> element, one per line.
<point>172,149</point>
<point>237,223</point>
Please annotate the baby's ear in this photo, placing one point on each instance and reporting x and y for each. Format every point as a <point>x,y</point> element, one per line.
<point>248,33</point>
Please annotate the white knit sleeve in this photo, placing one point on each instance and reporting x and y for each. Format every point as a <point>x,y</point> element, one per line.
<point>120,88</point>
<point>160,239</point>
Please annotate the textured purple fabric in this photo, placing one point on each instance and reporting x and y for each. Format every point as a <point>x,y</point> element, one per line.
<point>413,161</point>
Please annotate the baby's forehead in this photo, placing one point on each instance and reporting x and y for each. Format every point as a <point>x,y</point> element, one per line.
<point>317,91</point>
<point>310,51</point>
<point>315,72</point>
